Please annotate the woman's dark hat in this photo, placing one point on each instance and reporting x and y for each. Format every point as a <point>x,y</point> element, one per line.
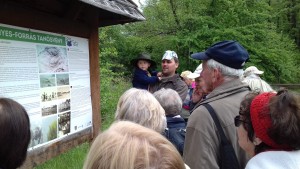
<point>143,56</point>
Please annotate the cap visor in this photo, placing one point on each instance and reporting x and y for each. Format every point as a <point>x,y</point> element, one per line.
<point>193,75</point>
<point>259,72</point>
<point>200,56</point>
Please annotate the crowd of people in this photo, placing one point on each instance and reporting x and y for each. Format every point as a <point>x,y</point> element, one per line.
<point>172,121</point>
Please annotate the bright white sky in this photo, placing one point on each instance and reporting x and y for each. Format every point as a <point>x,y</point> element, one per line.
<point>137,2</point>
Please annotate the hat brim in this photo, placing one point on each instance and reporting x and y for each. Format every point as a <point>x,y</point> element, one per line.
<point>200,56</point>
<point>193,75</point>
<point>258,72</point>
<point>134,62</point>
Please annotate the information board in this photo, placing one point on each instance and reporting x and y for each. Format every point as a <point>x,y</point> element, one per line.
<point>49,75</point>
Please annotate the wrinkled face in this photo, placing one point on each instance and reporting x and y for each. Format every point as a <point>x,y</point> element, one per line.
<point>244,141</point>
<point>207,75</point>
<point>143,64</point>
<point>168,67</point>
<point>200,84</point>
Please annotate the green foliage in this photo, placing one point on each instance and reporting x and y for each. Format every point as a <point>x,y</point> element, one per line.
<point>186,27</point>
<point>112,80</point>
<point>112,87</point>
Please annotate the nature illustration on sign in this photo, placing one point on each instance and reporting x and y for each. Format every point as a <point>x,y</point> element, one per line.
<point>52,59</point>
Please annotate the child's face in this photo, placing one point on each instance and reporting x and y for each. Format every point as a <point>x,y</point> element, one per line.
<point>143,64</point>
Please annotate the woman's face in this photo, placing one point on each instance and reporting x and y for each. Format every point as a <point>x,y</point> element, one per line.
<point>244,141</point>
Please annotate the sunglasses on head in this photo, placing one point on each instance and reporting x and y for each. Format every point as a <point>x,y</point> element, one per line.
<point>238,121</point>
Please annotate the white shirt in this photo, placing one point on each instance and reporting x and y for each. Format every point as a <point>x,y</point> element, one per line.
<point>275,160</point>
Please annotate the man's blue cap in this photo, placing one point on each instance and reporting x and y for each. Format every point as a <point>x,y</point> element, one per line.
<point>229,53</point>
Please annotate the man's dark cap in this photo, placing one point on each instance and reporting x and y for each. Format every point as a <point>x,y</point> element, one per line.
<point>229,53</point>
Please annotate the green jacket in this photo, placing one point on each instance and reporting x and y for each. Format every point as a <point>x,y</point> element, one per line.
<point>201,148</point>
<point>174,82</point>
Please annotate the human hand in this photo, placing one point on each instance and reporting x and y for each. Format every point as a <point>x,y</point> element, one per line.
<point>197,95</point>
<point>159,74</point>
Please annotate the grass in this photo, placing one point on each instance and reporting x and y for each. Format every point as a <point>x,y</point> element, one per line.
<point>72,159</point>
<point>111,90</point>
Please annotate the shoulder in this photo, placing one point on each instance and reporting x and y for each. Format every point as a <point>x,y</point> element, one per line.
<point>179,82</point>
<point>200,117</point>
<point>275,160</point>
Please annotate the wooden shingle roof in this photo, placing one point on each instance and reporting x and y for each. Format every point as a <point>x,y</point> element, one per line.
<point>109,12</point>
<point>127,8</point>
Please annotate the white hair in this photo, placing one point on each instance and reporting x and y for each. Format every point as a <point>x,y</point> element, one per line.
<point>228,72</point>
<point>141,107</point>
<point>170,100</point>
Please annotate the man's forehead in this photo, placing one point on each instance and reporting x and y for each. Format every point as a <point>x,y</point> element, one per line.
<point>169,61</point>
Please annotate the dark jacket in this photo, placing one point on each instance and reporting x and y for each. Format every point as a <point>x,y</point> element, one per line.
<point>175,131</point>
<point>174,82</point>
<point>175,122</point>
<point>141,80</point>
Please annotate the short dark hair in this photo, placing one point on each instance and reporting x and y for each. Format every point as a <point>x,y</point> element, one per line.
<point>15,133</point>
<point>285,114</point>
<point>176,60</point>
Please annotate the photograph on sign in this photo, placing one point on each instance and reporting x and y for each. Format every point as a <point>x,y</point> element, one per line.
<point>49,75</point>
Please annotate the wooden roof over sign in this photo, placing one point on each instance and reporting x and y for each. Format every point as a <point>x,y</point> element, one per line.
<point>110,12</point>
<point>126,8</point>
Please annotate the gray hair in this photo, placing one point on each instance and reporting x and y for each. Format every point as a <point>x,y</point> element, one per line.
<point>169,100</point>
<point>228,72</point>
<point>141,107</point>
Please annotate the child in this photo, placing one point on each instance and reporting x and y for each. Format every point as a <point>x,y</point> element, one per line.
<point>142,77</point>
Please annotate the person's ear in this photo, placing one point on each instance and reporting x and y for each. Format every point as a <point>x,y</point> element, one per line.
<point>256,141</point>
<point>215,73</point>
<point>176,65</point>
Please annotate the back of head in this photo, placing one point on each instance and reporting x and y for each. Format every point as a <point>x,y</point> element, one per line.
<point>141,107</point>
<point>251,77</point>
<point>129,145</point>
<point>276,119</point>
<point>252,70</point>
<point>185,74</point>
<point>169,100</point>
<point>15,133</point>
<point>285,113</point>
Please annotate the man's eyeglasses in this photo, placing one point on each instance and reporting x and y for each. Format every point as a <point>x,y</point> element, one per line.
<point>238,121</point>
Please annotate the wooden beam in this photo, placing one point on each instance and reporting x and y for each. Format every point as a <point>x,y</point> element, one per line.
<point>92,20</point>
<point>73,10</point>
<point>13,14</point>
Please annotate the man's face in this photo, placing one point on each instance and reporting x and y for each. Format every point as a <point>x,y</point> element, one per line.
<point>200,84</point>
<point>168,67</point>
<point>207,76</point>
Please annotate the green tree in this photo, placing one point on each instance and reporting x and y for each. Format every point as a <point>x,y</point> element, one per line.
<point>188,26</point>
<point>185,26</point>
